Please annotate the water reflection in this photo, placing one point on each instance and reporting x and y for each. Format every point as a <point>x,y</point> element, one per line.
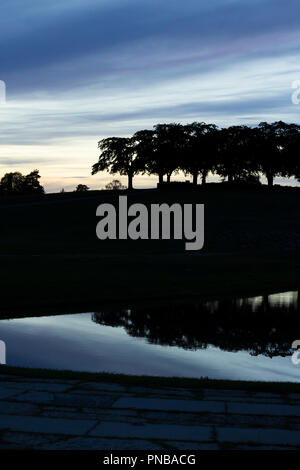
<point>245,339</point>
<point>259,325</point>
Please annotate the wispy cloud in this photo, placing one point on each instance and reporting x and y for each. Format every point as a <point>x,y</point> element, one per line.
<point>79,70</point>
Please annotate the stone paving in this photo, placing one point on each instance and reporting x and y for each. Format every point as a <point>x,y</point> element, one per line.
<point>73,414</point>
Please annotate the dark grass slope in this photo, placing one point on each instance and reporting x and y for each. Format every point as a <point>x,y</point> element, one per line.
<point>51,259</point>
<point>236,220</point>
<point>282,388</point>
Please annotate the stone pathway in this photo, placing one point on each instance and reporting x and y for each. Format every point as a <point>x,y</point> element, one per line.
<point>73,414</point>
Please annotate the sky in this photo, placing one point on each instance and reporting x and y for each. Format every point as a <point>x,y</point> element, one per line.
<point>77,71</point>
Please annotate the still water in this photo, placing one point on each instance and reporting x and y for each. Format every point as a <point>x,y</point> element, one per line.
<point>242,339</point>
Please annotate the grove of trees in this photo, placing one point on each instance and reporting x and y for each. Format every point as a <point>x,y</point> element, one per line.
<point>238,154</point>
<point>81,188</point>
<point>16,183</point>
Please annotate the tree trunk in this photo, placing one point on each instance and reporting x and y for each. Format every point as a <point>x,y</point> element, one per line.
<point>168,177</point>
<point>270,179</point>
<point>230,178</point>
<point>130,178</point>
<point>266,302</point>
<point>204,175</point>
<point>195,178</point>
<point>160,178</point>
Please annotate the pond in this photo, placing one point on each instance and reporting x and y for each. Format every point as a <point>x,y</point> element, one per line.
<point>239,339</point>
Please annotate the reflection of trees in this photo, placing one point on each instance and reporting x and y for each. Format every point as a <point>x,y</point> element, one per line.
<point>231,325</point>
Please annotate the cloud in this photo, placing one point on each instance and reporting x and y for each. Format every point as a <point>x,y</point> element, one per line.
<point>19,161</point>
<point>49,48</point>
<point>77,71</point>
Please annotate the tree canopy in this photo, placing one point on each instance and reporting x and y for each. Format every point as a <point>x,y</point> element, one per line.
<point>238,154</point>
<point>16,183</point>
<point>81,188</point>
<point>118,155</point>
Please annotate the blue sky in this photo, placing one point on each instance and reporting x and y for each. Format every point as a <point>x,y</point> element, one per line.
<point>80,70</point>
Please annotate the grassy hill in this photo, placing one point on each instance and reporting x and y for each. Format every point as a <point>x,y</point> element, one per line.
<point>52,260</point>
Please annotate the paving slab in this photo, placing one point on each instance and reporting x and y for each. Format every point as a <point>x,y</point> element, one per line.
<point>27,440</point>
<point>100,393</point>
<point>11,407</point>
<point>267,395</point>
<point>225,395</point>
<point>40,386</point>
<point>191,445</point>
<point>101,386</point>
<point>170,405</point>
<point>91,443</point>
<point>182,417</point>
<point>274,447</point>
<point>153,431</point>
<point>45,425</point>
<point>161,391</point>
<point>9,392</point>
<point>68,414</point>
<point>294,396</point>
<point>82,400</point>
<point>35,397</point>
<point>258,435</point>
<point>264,409</point>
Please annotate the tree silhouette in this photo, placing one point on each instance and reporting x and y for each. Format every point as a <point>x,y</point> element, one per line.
<point>81,188</point>
<point>147,154</point>
<point>114,185</point>
<point>16,183</point>
<point>32,183</point>
<point>12,183</point>
<point>232,325</point>
<point>200,150</point>
<point>170,144</point>
<point>271,142</point>
<point>239,154</point>
<point>290,145</point>
<point>235,156</point>
<point>118,155</point>
<point>159,152</point>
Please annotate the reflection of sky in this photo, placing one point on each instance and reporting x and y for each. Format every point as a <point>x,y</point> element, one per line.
<point>284,298</point>
<point>281,299</point>
<point>75,342</point>
<point>80,70</point>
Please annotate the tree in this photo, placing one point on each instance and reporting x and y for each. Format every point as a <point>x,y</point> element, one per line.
<point>115,185</point>
<point>239,154</point>
<point>118,155</point>
<point>290,148</point>
<point>159,151</point>
<point>236,153</point>
<point>272,142</point>
<point>146,151</point>
<point>170,141</point>
<point>81,188</point>
<point>230,324</point>
<point>16,183</point>
<point>12,183</point>
<point>200,150</point>
<point>32,184</point>
<point>291,158</point>
<point>293,155</point>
